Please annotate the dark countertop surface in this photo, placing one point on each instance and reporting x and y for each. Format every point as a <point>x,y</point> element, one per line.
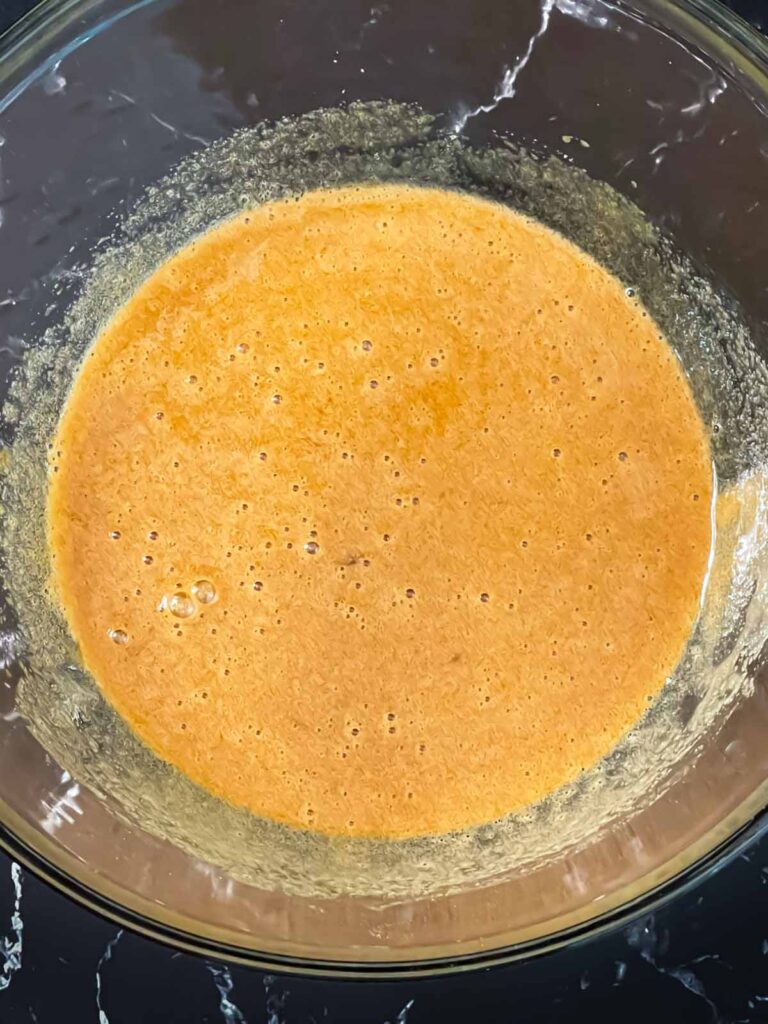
<point>701,958</point>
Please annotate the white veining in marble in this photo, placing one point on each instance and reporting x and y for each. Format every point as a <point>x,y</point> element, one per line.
<point>133,102</point>
<point>593,13</point>
<point>275,1000</point>
<point>642,937</point>
<point>11,945</point>
<point>508,85</point>
<point>402,1016</point>
<point>105,957</point>
<point>222,978</point>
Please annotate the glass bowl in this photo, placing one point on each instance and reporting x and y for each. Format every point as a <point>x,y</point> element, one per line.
<point>666,103</point>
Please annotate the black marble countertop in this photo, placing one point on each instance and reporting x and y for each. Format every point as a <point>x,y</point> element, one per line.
<point>703,957</point>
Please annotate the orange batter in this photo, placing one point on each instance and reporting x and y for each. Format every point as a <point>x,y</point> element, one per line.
<point>381,512</point>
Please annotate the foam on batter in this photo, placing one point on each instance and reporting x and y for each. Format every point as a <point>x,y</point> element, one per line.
<point>383,512</point>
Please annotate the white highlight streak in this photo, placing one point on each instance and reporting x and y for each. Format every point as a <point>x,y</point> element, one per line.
<point>54,82</point>
<point>61,810</point>
<point>583,11</point>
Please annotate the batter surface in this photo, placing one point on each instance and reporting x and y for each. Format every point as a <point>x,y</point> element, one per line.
<point>381,512</point>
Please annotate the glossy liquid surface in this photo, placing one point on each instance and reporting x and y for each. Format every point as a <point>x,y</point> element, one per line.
<point>382,512</point>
